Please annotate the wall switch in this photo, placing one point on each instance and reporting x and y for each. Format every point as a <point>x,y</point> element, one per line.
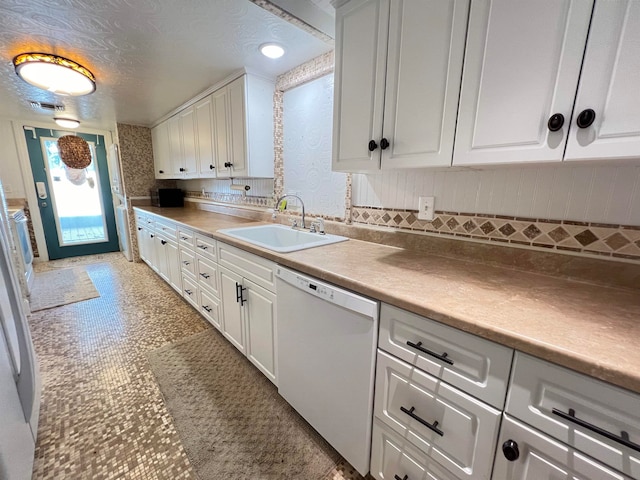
<point>426,208</point>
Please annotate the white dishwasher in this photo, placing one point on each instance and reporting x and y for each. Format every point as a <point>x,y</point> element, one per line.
<point>327,341</point>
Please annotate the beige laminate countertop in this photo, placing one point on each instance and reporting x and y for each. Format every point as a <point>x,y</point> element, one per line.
<point>592,329</point>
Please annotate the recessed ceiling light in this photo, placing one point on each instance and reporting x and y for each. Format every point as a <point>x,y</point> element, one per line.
<point>271,50</point>
<point>55,74</point>
<point>67,122</point>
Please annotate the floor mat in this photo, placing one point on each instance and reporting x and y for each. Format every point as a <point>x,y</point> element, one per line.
<point>61,287</point>
<point>230,418</point>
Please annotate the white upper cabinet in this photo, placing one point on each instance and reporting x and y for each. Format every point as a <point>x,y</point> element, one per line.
<point>424,68</point>
<point>397,78</point>
<point>204,134</point>
<point>521,69</point>
<point>360,65</point>
<point>226,134</point>
<point>161,150</point>
<point>243,125</point>
<point>609,86</point>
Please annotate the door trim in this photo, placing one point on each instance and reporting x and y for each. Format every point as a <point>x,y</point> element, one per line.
<point>27,176</point>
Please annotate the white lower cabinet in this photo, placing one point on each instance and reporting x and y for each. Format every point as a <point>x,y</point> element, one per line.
<point>168,261</point>
<point>453,428</point>
<point>260,314</point>
<point>233,325</point>
<point>247,293</point>
<point>528,454</point>
<point>394,457</point>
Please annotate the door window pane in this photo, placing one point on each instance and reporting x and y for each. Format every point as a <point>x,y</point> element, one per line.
<point>76,198</point>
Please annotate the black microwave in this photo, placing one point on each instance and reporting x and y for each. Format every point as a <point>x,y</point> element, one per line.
<point>167,197</point>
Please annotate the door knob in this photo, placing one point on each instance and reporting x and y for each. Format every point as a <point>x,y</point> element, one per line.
<point>556,121</point>
<point>586,118</point>
<point>372,145</point>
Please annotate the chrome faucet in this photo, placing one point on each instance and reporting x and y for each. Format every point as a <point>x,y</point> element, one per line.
<point>294,196</point>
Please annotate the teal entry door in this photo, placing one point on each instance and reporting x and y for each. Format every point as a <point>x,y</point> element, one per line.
<point>76,206</point>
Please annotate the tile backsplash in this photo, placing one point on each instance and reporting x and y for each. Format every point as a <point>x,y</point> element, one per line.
<point>584,238</point>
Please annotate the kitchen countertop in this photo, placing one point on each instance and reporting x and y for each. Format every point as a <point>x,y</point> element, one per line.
<point>589,328</point>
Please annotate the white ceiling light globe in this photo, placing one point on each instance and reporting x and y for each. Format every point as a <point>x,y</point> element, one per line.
<point>271,50</point>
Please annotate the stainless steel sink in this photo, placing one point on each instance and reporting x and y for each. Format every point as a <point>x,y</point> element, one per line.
<point>280,238</point>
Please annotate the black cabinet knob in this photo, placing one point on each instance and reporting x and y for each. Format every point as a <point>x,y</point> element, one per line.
<point>586,118</point>
<point>160,171</point>
<point>228,164</point>
<point>510,450</point>
<point>181,169</point>
<point>211,167</point>
<point>556,121</point>
<point>372,145</point>
<point>384,144</point>
<point>163,242</point>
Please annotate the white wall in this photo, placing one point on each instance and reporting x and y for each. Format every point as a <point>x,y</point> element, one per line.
<point>307,127</point>
<point>10,172</point>
<point>589,193</point>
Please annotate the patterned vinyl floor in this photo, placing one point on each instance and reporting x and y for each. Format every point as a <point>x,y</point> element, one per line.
<point>102,414</point>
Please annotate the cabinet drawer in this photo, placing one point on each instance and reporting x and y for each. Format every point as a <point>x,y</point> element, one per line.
<point>207,274</point>
<point>186,238</point>
<point>539,456</point>
<point>206,247</point>
<point>190,291</point>
<point>475,365</point>
<point>394,457</point>
<point>248,265</point>
<point>538,387</point>
<point>405,397</point>
<point>210,308</point>
<point>188,262</point>
<point>167,229</point>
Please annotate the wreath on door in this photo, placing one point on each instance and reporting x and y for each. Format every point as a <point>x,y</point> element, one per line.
<point>74,152</point>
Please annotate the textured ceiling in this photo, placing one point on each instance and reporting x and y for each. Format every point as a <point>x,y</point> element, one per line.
<point>149,56</point>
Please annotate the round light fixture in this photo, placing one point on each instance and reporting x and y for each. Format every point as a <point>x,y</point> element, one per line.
<point>271,50</point>
<point>55,74</point>
<point>66,122</point>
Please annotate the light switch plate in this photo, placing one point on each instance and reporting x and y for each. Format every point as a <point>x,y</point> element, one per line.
<point>426,208</point>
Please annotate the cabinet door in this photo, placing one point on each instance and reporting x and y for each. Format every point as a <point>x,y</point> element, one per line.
<point>161,150</point>
<point>521,66</point>
<point>232,324</point>
<point>175,146</point>
<point>188,128</point>
<point>174,272</point>
<point>142,233</point>
<point>538,456</point>
<point>220,129</point>
<point>150,249</point>
<point>260,323</point>
<point>160,247</point>
<point>204,137</point>
<point>360,64</point>
<point>609,86</point>
<point>424,69</point>
<point>237,127</point>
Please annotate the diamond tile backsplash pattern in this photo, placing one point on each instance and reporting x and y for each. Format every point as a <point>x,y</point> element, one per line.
<point>585,238</point>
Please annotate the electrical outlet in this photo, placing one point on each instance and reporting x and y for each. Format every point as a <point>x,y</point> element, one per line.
<point>426,208</point>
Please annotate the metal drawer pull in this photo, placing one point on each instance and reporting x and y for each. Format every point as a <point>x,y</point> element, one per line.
<point>185,262</point>
<point>188,292</point>
<point>205,275</point>
<point>238,292</point>
<point>203,247</point>
<point>431,426</point>
<point>418,346</point>
<point>207,308</point>
<point>163,242</point>
<point>396,477</point>
<point>622,439</point>
<point>184,238</point>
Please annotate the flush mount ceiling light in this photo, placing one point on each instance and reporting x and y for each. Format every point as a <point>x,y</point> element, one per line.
<point>271,50</point>
<point>55,74</point>
<point>66,122</point>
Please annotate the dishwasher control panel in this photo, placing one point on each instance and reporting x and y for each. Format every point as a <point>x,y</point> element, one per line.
<point>314,288</point>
